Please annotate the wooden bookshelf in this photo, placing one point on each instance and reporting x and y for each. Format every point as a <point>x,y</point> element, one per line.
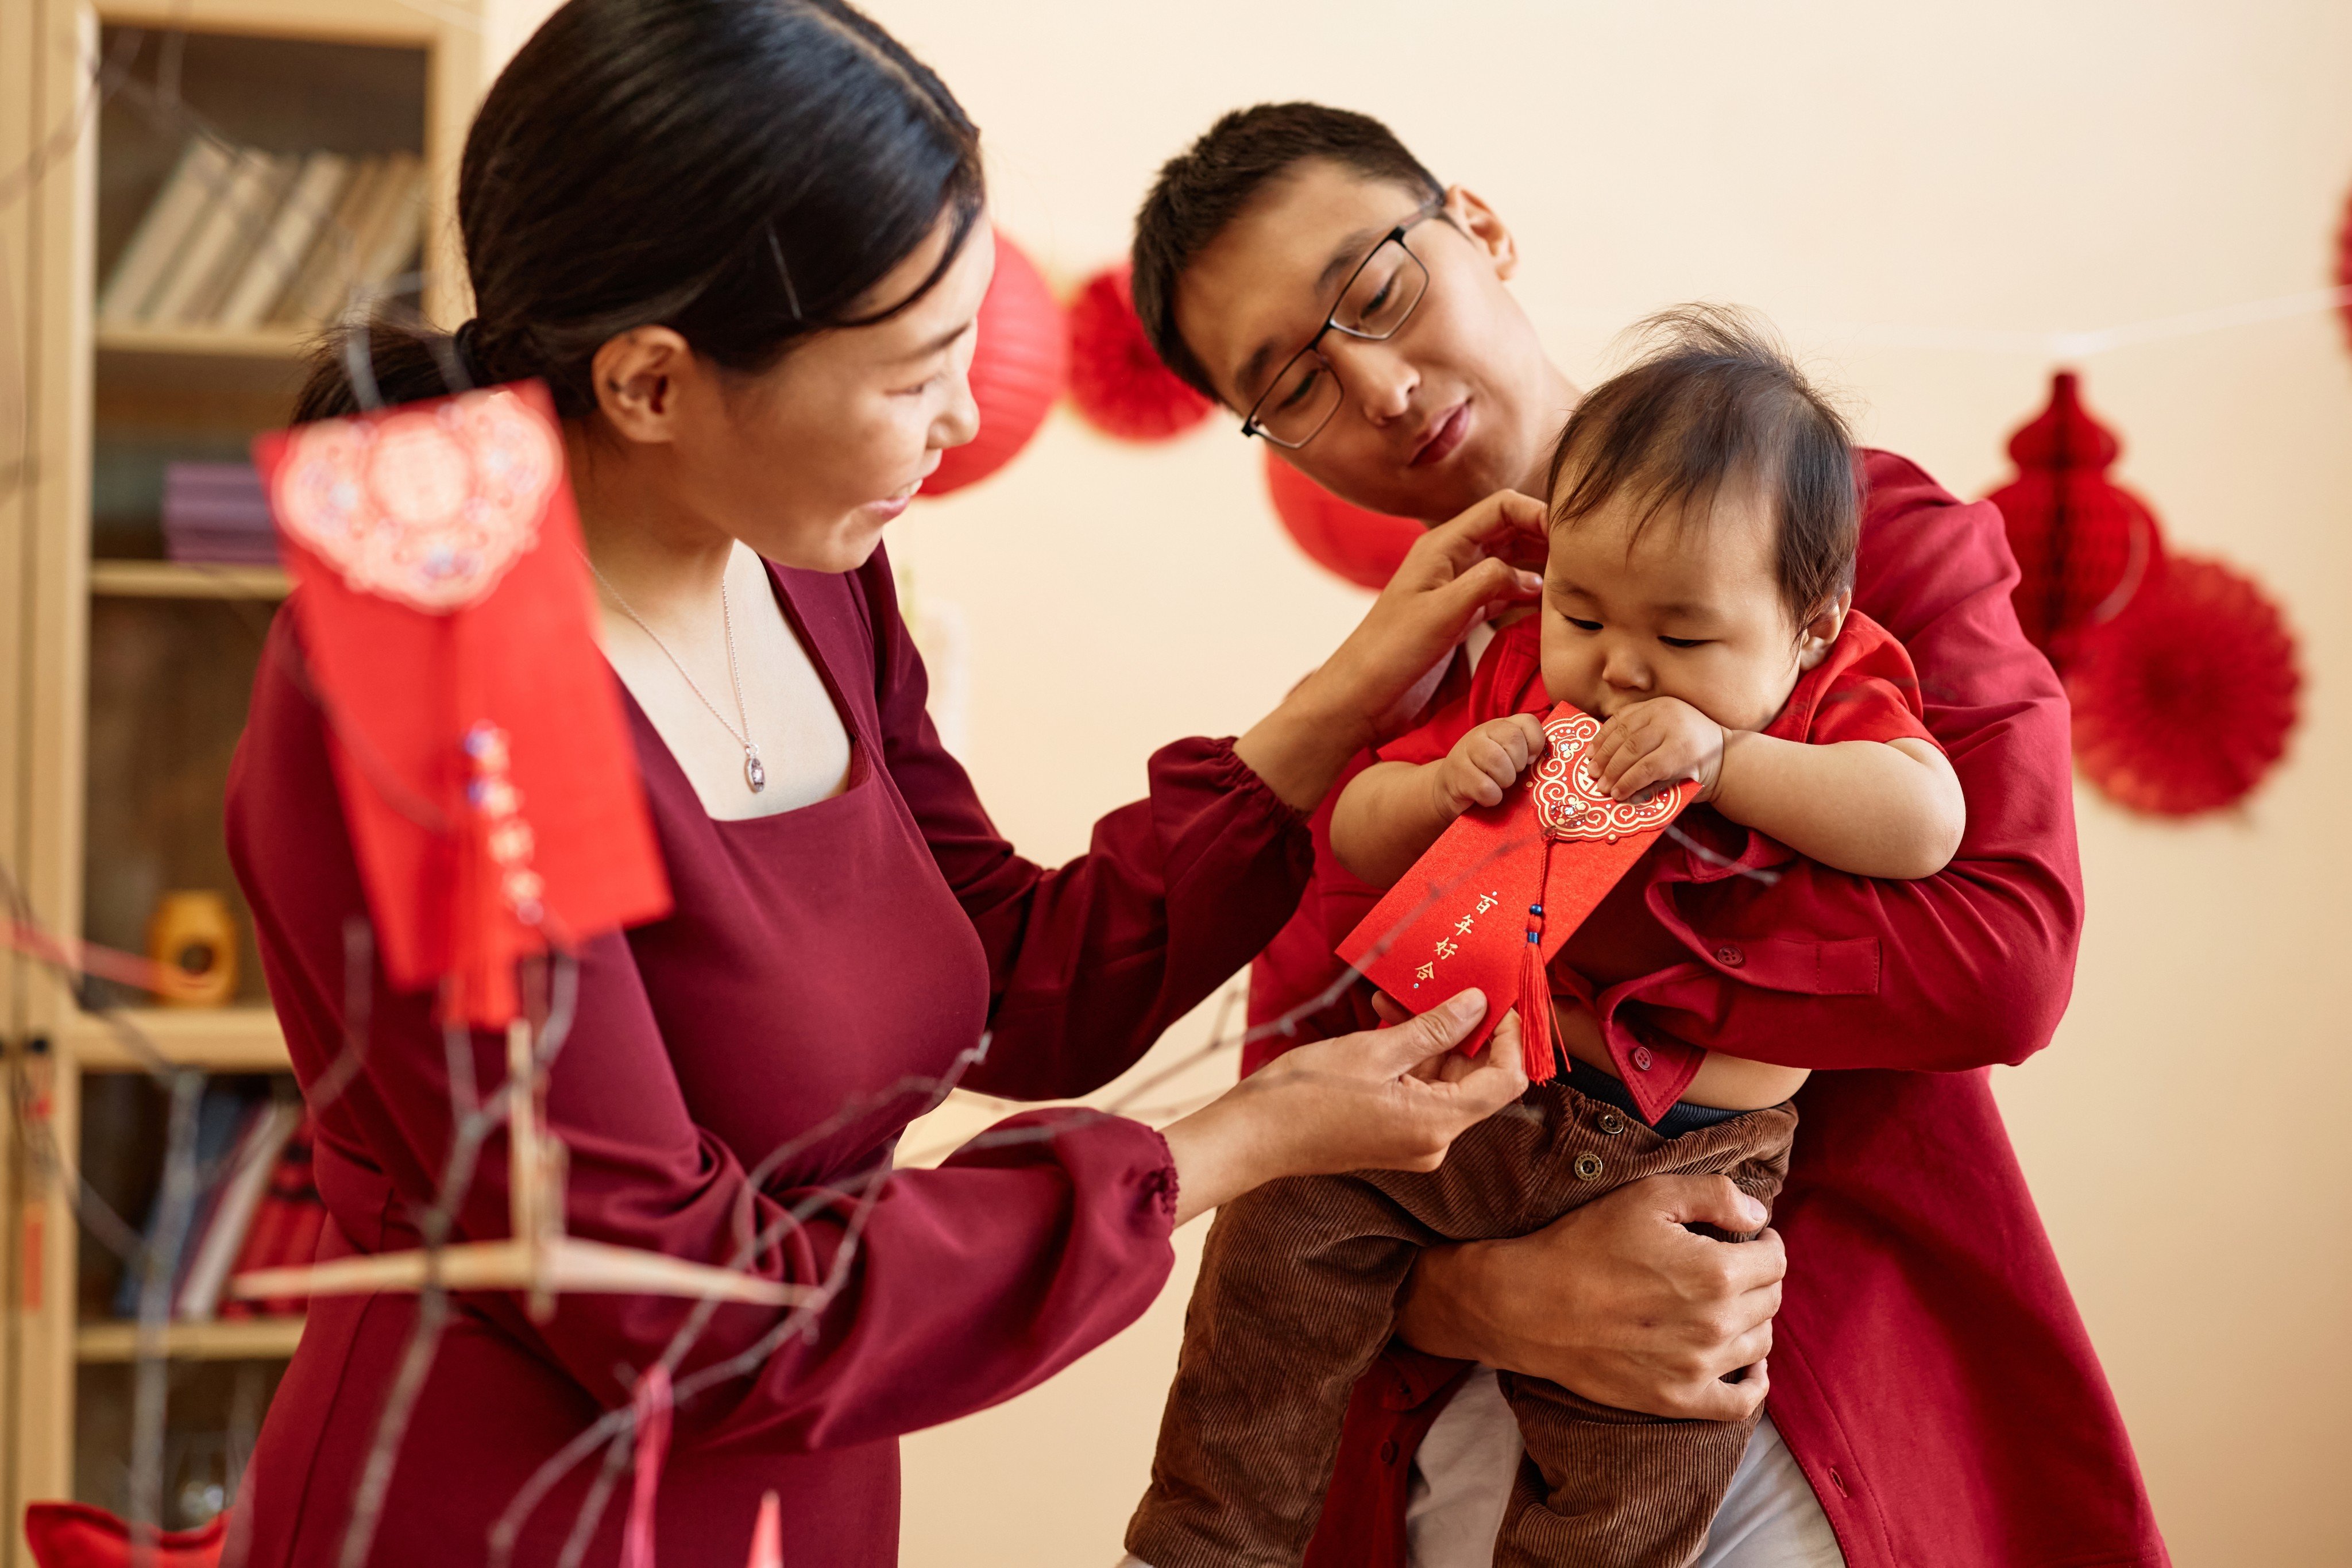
<point>234,1339</point>
<point>130,672</point>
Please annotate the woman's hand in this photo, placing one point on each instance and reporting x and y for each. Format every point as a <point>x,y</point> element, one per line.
<point>1457,575</point>
<point>1389,1100</point>
<point>1617,1300</point>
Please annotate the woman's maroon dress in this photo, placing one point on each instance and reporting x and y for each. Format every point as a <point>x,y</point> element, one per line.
<point>821,968</point>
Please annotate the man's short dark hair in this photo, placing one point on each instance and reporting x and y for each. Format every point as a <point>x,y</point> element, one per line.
<point>1202,189</point>
<point>1714,400</point>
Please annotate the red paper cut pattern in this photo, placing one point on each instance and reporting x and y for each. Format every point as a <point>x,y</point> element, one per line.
<point>2185,701</point>
<point>1363,547</point>
<point>476,733</point>
<point>427,506</point>
<point>1018,368</point>
<point>2083,545</point>
<point>1497,895</point>
<point>1571,804</point>
<point>1117,380</point>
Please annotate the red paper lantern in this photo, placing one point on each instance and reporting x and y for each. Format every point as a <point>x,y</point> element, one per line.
<point>1018,369</point>
<point>2184,699</point>
<point>1364,547</point>
<point>2083,545</point>
<point>1115,380</point>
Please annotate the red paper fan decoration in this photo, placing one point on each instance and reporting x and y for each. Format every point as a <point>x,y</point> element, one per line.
<point>1018,370</point>
<point>2085,546</point>
<point>2184,701</point>
<point>1364,547</point>
<point>1115,380</point>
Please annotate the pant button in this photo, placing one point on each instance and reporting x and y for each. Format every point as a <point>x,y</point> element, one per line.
<point>1611,1123</point>
<point>1588,1167</point>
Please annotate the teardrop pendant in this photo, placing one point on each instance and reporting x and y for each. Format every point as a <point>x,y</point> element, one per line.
<point>754,774</point>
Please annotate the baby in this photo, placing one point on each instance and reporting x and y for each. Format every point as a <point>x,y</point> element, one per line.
<point>1697,601</point>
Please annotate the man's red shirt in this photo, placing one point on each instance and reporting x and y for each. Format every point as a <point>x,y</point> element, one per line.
<point>1930,1370</point>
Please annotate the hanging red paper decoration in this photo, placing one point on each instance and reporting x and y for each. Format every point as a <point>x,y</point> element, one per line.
<point>2344,268</point>
<point>1364,547</point>
<point>2083,545</point>
<point>2184,701</point>
<point>1115,380</point>
<point>1018,369</point>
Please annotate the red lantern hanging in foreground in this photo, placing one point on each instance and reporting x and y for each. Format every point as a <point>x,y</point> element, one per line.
<point>1117,380</point>
<point>1364,547</point>
<point>2083,545</point>
<point>1018,369</point>
<point>2184,699</point>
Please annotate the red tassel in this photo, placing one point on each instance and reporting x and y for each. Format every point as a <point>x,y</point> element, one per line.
<point>1535,1012</point>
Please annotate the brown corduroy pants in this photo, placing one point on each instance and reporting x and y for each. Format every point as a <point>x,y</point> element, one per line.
<point>1298,1292</point>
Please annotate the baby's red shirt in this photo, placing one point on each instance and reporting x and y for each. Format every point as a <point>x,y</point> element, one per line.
<point>1865,690</point>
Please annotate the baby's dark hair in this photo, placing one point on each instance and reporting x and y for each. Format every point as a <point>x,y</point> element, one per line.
<point>1714,399</point>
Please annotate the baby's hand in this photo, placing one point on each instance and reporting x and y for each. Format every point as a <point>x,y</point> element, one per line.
<point>1661,741</point>
<point>1486,762</point>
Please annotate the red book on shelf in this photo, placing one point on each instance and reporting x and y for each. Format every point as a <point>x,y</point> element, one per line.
<point>286,1224</point>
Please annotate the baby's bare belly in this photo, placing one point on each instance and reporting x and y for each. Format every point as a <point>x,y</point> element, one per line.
<point>1724,1082</point>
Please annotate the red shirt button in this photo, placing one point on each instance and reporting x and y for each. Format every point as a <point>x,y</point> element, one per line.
<point>1642,1058</point>
<point>1730,956</point>
<point>1388,1452</point>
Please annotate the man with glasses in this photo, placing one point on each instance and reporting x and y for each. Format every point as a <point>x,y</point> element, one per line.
<point>1938,1396</point>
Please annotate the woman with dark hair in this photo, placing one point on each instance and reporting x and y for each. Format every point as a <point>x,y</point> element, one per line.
<point>743,241</point>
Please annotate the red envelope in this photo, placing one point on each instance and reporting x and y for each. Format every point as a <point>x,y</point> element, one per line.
<point>478,738</point>
<point>1497,895</point>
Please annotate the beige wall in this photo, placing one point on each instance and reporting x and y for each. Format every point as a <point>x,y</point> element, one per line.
<point>2009,165</point>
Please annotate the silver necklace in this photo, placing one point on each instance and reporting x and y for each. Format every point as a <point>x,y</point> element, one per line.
<point>754,774</point>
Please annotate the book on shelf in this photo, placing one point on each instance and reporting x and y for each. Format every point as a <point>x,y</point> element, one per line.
<point>241,1191</point>
<point>188,191</point>
<point>316,293</point>
<point>242,1143</point>
<point>308,203</point>
<point>238,237</point>
<point>219,243</point>
<point>216,514</point>
<point>285,1227</point>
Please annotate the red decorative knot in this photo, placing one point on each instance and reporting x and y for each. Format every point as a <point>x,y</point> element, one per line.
<point>1116,381</point>
<point>1018,368</point>
<point>1363,547</point>
<point>505,834</point>
<point>2085,546</point>
<point>2184,699</point>
<point>1570,801</point>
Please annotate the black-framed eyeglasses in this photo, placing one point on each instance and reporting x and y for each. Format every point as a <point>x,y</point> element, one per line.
<point>1373,306</point>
